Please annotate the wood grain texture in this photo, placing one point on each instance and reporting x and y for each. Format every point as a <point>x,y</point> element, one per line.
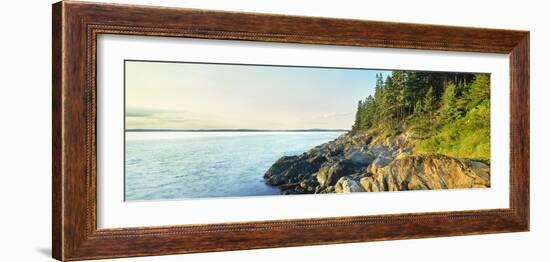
<point>57,199</point>
<point>519,129</point>
<point>76,26</point>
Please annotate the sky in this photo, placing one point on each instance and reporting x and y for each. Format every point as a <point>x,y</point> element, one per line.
<point>170,95</point>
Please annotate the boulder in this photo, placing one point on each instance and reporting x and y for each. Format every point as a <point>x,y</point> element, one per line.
<point>348,185</point>
<point>428,172</point>
<point>359,156</point>
<point>280,166</point>
<point>293,169</point>
<point>383,159</point>
<point>329,174</point>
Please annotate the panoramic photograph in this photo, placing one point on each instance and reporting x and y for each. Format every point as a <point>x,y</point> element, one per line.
<point>204,130</point>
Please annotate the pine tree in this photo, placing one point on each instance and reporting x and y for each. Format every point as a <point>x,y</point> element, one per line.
<point>480,90</point>
<point>418,109</point>
<point>449,110</point>
<point>430,106</point>
<point>358,123</point>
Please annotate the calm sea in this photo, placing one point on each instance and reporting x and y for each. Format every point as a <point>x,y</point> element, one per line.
<point>178,165</point>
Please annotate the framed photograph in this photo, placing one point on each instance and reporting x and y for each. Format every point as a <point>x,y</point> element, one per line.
<point>182,130</point>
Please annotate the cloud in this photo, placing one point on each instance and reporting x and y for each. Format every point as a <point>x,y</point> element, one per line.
<point>140,111</point>
<point>142,117</point>
<point>156,113</point>
<point>137,114</point>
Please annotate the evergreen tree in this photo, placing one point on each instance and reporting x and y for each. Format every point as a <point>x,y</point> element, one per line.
<point>358,118</point>
<point>454,107</point>
<point>429,107</point>
<point>479,91</point>
<point>418,109</point>
<point>449,110</point>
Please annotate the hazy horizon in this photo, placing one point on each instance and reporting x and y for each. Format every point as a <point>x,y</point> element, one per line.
<point>236,129</point>
<point>166,95</point>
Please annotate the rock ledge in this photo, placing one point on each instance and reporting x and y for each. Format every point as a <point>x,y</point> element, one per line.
<point>362,163</point>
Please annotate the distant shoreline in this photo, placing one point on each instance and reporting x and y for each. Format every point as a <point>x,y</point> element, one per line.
<point>235,130</point>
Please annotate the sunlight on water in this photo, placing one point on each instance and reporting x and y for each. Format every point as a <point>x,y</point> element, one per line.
<point>176,165</point>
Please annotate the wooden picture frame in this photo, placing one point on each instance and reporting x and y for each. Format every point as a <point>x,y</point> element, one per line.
<point>76,26</point>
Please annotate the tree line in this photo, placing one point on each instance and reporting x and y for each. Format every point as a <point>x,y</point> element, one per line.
<point>431,103</point>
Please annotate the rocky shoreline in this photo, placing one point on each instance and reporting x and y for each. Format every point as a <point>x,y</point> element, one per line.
<point>365,163</point>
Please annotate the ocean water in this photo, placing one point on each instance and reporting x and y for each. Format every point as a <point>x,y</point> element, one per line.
<point>179,165</point>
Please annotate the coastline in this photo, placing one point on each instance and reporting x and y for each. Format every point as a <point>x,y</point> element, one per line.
<point>368,163</point>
